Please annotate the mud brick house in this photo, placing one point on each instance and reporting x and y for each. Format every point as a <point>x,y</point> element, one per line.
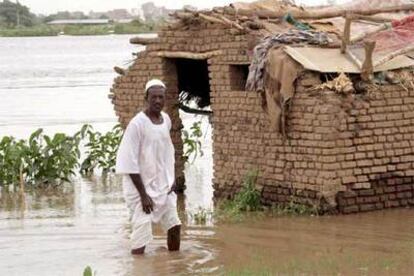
<point>320,101</point>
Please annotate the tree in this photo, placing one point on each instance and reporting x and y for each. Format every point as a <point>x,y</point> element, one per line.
<point>15,14</point>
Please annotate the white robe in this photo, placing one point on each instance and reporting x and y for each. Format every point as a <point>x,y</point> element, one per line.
<point>147,149</point>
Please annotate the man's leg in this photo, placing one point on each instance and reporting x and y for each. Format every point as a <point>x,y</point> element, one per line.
<point>140,237</point>
<point>138,251</point>
<point>174,238</point>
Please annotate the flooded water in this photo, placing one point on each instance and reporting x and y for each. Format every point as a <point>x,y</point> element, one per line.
<point>59,84</point>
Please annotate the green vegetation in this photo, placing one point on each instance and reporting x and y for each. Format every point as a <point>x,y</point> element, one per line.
<point>88,271</point>
<point>201,216</point>
<point>51,160</point>
<point>47,30</point>
<point>247,199</point>
<point>294,208</point>
<point>101,149</point>
<point>15,14</point>
<point>247,202</point>
<point>38,30</point>
<point>40,159</point>
<point>48,160</point>
<point>192,142</point>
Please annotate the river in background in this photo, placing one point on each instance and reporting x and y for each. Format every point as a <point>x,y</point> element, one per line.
<point>60,83</point>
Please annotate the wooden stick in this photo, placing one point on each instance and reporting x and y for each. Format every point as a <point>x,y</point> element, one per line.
<point>143,40</point>
<point>119,70</point>
<point>368,33</point>
<point>368,68</point>
<point>346,37</point>
<point>254,25</point>
<point>193,110</point>
<point>211,19</point>
<point>188,55</point>
<point>354,59</point>
<point>394,54</point>
<point>230,22</point>
<point>376,19</point>
<point>183,15</point>
<point>298,14</point>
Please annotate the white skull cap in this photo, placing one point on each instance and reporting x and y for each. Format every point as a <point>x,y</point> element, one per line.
<point>154,82</point>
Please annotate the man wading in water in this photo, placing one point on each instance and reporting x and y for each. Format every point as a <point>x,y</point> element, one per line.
<point>146,161</point>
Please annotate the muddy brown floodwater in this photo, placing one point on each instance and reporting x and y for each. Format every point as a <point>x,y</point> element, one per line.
<point>61,231</point>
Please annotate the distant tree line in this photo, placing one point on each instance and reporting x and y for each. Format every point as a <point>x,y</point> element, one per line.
<point>15,14</point>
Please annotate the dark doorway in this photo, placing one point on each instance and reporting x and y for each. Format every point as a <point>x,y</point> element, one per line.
<point>193,81</point>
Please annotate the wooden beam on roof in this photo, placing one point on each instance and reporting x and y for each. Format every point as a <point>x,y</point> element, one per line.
<point>119,70</point>
<point>370,32</point>
<point>188,55</point>
<point>230,23</point>
<point>143,40</point>
<point>394,54</point>
<point>346,36</point>
<point>298,14</point>
<point>193,110</point>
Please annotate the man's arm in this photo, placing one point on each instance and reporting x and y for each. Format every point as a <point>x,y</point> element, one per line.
<point>147,203</point>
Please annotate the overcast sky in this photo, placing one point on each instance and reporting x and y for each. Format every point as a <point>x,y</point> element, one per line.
<point>52,6</point>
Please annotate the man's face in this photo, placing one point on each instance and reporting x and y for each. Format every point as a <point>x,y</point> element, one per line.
<point>156,98</point>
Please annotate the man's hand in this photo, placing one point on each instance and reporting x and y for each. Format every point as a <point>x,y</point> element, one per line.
<point>147,203</point>
<point>173,188</point>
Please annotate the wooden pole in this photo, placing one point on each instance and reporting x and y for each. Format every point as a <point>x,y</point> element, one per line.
<point>346,37</point>
<point>230,22</point>
<point>298,14</point>
<point>368,67</point>
<point>376,19</point>
<point>211,19</point>
<point>143,40</point>
<point>188,55</point>
<point>371,32</point>
<point>119,70</point>
<point>394,54</point>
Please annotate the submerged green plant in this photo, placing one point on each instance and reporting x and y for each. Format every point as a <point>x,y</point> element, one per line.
<point>40,159</point>
<point>101,149</point>
<point>201,216</point>
<point>247,199</point>
<point>44,159</point>
<point>191,142</point>
<point>294,208</point>
<point>88,271</point>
